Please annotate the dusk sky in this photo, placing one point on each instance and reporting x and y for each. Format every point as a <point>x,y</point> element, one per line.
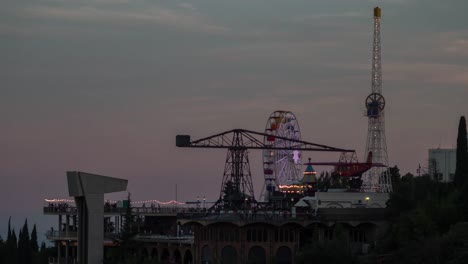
<point>104,86</point>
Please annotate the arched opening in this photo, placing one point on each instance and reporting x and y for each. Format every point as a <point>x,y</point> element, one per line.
<point>154,254</point>
<point>229,255</point>
<point>188,257</point>
<point>165,255</point>
<point>284,255</point>
<point>206,255</point>
<point>144,254</point>
<point>257,255</point>
<point>334,205</point>
<point>177,257</point>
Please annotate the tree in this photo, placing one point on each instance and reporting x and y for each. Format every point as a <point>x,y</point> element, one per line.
<point>10,245</point>
<point>13,248</point>
<point>9,229</point>
<point>34,244</point>
<point>394,175</point>
<point>128,245</point>
<point>46,253</point>
<point>2,250</point>
<point>461,171</point>
<point>24,245</point>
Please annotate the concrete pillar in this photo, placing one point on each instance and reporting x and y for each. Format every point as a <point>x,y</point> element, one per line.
<point>67,248</point>
<point>88,190</point>
<point>67,223</point>
<point>59,255</point>
<point>60,223</point>
<point>116,224</point>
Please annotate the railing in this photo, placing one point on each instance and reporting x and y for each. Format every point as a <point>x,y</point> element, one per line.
<point>249,216</point>
<point>71,235</point>
<point>323,214</point>
<point>64,210</point>
<point>55,234</point>
<point>122,211</point>
<point>62,261</point>
<point>185,239</point>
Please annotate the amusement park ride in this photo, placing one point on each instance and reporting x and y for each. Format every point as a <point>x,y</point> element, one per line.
<point>282,165</point>
<point>349,168</point>
<point>377,179</point>
<point>236,187</point>
<point>282,146</point>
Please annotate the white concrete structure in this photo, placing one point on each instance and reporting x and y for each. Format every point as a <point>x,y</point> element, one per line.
<point>88,191</point>
<point>332,199</point>
<point>442,164</point>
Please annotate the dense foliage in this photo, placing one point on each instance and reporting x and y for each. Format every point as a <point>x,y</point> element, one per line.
<point>461,170</point>
<point>430,218</point>
<point>24,248</point>
<point>428,221</point>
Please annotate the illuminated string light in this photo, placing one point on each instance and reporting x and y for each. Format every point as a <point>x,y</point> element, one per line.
<point>158,202</point>
<point>59,200</point>
<point>112,202</point>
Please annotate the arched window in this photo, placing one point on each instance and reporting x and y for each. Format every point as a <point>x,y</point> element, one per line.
<point>206,254</point>
<point>229,255</point>
<point>257,255</point>
<point>284,255</point>
<point>154,254</point>
<point>165,255</point>
<point>188,257</point>
<point>177,256</point>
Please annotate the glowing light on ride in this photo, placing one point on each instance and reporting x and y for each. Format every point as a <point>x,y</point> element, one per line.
<point>281,166</point>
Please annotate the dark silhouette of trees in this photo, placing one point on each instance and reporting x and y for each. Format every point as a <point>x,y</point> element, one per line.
<point>127,252</point>
<point>34,244</point>
<point>24,249</point>
<point>11,246</point>
<point>461,171</point>
<point>430,219</point>
<point>24,245</point>
<point>2,250</point>
<point>336,250</point>
<point>394,175</point>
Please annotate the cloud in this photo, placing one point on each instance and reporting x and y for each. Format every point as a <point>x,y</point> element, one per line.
<point>186,5</point>
<point>185,21</point>
<point>392,1</point>
<point>281,51</point>
<point>321,16</point>
<point>421,72</point>
<point>455,43</point>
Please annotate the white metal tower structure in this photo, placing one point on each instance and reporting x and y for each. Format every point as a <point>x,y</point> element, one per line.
<point>377,179</point>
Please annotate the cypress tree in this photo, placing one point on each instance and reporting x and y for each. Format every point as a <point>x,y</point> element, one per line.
<point>34,244</point>
<point>13,248</point>
<point>24,245</point>
<point>11,245</point>
<point>2,250</point>
<point>461,171</point>
<point>20,252</point>
<point>128,232</point>
<point>9,229</point>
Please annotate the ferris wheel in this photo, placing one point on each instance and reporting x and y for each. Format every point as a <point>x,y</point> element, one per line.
<point>281,167</point>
